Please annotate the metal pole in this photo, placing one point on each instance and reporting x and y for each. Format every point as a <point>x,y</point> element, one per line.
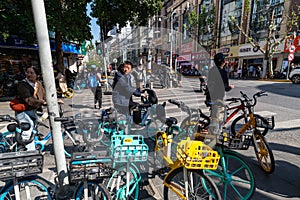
<point>288,71</point>
<point>171,40</point>
<point>40,22</point>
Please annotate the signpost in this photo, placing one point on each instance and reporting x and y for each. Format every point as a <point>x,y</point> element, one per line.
<point>290,59</point>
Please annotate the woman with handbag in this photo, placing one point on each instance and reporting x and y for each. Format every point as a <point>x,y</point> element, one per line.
<point>31,93</point>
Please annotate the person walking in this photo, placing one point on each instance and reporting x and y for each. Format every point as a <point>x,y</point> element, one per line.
<point>95,81</point>
<point>217,84</point>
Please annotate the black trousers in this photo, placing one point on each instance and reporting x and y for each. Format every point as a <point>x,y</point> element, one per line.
<point>97,91</point>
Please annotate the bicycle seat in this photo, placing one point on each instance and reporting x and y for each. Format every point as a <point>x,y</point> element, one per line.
<point>170,121</point>
<point>23,126</point>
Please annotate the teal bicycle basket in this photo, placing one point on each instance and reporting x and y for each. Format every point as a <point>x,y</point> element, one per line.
<point>128,148</point>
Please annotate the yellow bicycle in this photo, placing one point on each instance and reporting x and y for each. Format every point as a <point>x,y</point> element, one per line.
<point>185,178</point>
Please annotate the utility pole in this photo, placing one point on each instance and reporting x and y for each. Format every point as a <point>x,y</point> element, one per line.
<point>40,22</point>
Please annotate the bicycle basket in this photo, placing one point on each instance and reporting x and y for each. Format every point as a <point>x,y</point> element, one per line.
<point>196,155</point>
<point>20,164</point>
<point>130,148</point>
<point>86,166</point>
<point>265,122</point>
<point>242,143</point>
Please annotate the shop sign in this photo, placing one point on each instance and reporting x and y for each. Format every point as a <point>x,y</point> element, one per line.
<point>184,57</point>
<point>224,50</point>
<point>200,56</point>
<point>187,48</point>
<point>248,50</point>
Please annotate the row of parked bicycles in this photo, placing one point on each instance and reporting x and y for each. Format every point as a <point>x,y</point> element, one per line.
<point>112,155</point>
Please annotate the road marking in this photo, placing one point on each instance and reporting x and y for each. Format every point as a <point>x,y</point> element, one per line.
<point>288,124</point>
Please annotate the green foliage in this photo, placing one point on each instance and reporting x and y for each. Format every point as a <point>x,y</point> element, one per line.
<point>109,13</point>
<point>67,16</point>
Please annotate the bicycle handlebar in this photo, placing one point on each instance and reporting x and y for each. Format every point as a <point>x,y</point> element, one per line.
<point>5,118</point>
<point>248,100</point>
<point>64,119</point>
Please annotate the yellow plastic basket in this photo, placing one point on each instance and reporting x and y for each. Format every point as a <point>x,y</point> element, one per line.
<point>196,155</point>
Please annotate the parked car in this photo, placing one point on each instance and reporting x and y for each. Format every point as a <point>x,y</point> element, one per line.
<point>294,76</point>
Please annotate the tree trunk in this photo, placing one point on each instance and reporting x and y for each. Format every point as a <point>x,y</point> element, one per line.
<point>265,66</point>
<point>59,52</point>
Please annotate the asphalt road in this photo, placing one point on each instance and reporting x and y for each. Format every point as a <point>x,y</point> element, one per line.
<point>283,102</point>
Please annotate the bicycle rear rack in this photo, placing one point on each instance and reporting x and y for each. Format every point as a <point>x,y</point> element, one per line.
<point>269,123</point>
<point>242,142</point>
<point>20,164</point>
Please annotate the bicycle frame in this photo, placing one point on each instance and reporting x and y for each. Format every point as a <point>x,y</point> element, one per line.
<point>247,125</point>
<point>238,108</point>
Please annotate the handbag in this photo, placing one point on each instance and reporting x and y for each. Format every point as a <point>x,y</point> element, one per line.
<point>17,105</point>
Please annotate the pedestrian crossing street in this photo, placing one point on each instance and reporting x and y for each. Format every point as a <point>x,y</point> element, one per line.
<point>189,94</point>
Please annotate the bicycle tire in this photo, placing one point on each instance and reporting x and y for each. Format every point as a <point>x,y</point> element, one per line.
<point>116,185</point>
<point>37,189</point>
<point>205,187</point>
<point>240,121</point>
<point>263,153</point>
<point>69,94</point>
<point>237,182</point>
<point>95,190</point>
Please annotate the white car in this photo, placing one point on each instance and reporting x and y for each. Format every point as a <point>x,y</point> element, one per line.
<point>294,76</point>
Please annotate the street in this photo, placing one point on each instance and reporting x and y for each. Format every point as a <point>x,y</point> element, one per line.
<point>282,102</point>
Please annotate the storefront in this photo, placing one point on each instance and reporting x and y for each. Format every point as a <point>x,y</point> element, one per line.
<point>14,57</point>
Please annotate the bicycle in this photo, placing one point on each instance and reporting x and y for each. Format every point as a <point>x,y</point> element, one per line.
<point>68,94</point>
<point>11,140</point>
<point>261,146</point>
<point>233,176</point>
<point>19,170</point>
<point>126,151</point>
<point>86,173</point>
<point>248,121</point>
<point>185,179</point>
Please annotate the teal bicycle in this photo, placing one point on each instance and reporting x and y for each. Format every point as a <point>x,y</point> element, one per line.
<point>126,151</point>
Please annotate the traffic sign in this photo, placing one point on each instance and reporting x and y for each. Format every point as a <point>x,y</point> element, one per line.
<point>290,57</point>
<point>292,49</point>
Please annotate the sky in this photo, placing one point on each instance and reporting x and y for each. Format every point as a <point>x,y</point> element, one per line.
<point>95,28</point>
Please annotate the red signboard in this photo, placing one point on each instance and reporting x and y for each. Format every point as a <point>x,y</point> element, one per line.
<point>289,43</point>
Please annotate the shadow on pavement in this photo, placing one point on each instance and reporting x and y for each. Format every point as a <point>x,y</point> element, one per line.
<point>275,184</point>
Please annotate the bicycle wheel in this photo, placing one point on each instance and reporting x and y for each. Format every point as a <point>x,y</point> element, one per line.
<point>233,177</point>
<point>199,185</point>
<point>117,184</point>
<point>96,191</point>
<point>69,93</point>
<point>240,121</point>
<point>30,188</point>
<point>263,153</point>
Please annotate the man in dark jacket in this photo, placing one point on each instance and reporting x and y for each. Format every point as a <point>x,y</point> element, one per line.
<point>217,84</point>
<point>122,88</point>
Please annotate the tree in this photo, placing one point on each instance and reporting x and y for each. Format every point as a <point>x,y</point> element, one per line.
<point>110,13</point>
<point>67,18</point>
<point>265,20</point>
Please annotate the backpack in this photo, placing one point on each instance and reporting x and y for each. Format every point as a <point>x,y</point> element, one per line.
<point>93,82</point>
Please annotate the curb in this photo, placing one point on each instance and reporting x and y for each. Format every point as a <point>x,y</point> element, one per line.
<point>276,80</point>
